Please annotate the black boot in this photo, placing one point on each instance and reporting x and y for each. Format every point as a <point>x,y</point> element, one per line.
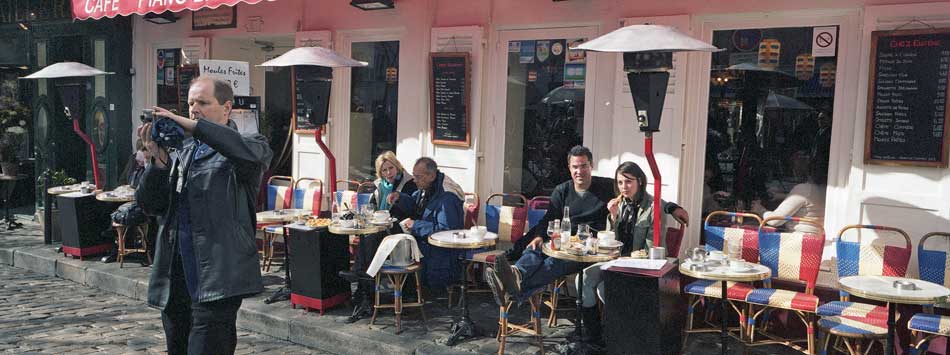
<point>363,302</point>
<point>592,327</point>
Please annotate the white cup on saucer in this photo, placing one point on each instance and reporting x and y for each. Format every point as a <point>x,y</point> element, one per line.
<point>738,265</point>
<point>606,237</point>
<point>381,216</point>
<point>716,255</point>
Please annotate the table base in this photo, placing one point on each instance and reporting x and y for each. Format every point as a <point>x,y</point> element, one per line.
<point>461,329</point>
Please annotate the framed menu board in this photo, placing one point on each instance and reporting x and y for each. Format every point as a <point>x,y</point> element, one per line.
<point>311,99</point>
<point>907,98</point>
<point>450,95</point>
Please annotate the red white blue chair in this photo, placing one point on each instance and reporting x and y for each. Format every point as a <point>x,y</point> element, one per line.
<point>934,266</point>
<point>537,208</point>
<point>793,257</point>
<point>279,196</point>
<point>860,324</point>
<point>506,216</point>
<point>353,198</point>
<point>307,194</point>
<point>736,292</point>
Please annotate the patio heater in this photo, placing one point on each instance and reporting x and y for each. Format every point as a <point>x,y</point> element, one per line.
<point>647,60</point>
<point>71,94</point>
<point>314,96</point>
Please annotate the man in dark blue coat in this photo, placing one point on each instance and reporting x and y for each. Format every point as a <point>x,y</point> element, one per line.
<point>435,206</point>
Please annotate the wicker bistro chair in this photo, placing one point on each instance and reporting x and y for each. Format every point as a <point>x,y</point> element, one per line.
<point>854,322</point>
<point>792,256</point>
<point>397,276</point>
<point>934,266</point>
<point>508,221</point>
<point>279,196</point>
<point>736,292</point>
<point>537,208</point>
<point>506,328</point>
<point>307,194</point>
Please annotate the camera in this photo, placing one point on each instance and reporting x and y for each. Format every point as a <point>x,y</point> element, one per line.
<point>148,115</point>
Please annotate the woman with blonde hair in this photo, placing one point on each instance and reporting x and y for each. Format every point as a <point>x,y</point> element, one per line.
<point>391,177</point>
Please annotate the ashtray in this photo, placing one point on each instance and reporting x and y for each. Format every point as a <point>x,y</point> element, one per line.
<point>698,267</point>
<point>904,285</point>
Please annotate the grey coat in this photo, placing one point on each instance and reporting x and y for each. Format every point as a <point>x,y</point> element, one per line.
<point>222,188</point>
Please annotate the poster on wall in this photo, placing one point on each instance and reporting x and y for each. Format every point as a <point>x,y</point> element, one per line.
<point>233,72</point>
<point>210,19</point>
<point>575,56</point>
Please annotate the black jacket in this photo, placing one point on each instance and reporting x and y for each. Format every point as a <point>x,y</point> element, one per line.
<point>222,187</point>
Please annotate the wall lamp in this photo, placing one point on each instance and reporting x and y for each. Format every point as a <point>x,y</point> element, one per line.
<point>162,18</point>
<point>367,5</point>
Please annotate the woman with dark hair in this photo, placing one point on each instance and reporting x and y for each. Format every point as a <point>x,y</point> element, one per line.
<point>631,216</point>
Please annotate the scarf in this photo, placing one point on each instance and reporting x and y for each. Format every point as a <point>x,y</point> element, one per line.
<point>626,223</point>
<point>384,189</point>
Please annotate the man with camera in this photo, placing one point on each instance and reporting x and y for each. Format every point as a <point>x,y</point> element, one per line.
<point>203,182</point>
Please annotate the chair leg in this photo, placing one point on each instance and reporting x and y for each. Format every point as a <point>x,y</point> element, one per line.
<point>502,328</point>
<point>144,230</point>
<point>376,303</point>
<point>120,232</point>
<point>810,333</point>
<point>422,308</point>
<point>536,321</point>
<point>397,281</point>
<point>824,346</point>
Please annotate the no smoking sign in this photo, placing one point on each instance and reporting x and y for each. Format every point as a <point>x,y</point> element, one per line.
<point>824,41</point>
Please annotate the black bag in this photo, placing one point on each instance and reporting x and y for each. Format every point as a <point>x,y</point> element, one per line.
<point>129,214</point>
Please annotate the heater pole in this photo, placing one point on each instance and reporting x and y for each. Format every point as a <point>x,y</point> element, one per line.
<point>92,152</point>
<point>318,136</point>
<point>657,187</point>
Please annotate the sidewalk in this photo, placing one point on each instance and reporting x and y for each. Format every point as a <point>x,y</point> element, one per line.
<point>24,248</point>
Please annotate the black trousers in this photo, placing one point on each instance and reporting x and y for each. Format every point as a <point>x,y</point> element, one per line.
<point>198,328</point>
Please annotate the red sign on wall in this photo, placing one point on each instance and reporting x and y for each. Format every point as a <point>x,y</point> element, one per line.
<point>96,9</point>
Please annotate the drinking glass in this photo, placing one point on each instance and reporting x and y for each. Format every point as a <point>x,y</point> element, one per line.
<point>583,232</point>
<point>554,229</point>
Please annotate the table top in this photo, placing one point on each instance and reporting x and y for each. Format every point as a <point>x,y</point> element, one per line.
<point>450,239</point>
<point>12,177</point>
<point>285,215</point>
<point>59,190</point>
<point>756,272</point>
<point>115,197</point>
<point>560,254</point>
<point>881,288</point>
<point>368,229</point>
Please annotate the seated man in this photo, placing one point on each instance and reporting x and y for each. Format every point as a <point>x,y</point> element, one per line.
<point>435,206</point>
<point>587,198</point>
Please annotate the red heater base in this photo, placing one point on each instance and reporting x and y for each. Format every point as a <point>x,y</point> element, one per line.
<point>318,304</point>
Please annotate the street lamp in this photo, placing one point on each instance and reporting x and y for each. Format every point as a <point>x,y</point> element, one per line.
<point>647,60</point>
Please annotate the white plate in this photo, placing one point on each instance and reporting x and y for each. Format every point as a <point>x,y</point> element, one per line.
<point>746,268</point>
<point>385,222</point>
<point>610,244</point>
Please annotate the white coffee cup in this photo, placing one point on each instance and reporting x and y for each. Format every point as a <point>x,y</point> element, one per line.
<point>403,225</point>
<point>716,255</point>
<point>381,216</point>
<point>606,237</point>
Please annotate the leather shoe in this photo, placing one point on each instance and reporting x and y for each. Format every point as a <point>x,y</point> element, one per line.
<point>355,276</point>
<point>363,310</point>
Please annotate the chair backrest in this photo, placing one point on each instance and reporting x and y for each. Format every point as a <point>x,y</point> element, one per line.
<point>508,220</point>
<point>366,187</point>
<point>350,185</point>
<point>932,263</point>
<point>279,192</point>
<point>674,238</point>
<point>874,258</point>
<point>747,237</point>
<point>792,256</point>
<point>470,207</point>
<point>537,208</point>
<point>308,194</point>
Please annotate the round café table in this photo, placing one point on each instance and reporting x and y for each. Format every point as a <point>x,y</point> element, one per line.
<point>463,327</point>
<point>884,289</point>
<point>65,189</point>
<point>724,274</point>
<point>115,197</point>
<point>282,216</point>
<point>584,259</point>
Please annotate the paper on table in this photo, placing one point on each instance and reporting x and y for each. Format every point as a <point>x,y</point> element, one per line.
<point>646,264</point>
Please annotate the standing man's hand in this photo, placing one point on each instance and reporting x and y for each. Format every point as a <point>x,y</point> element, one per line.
<point>159,155</point>
<point>186,123</point>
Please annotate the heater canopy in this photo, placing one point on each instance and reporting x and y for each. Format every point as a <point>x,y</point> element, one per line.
<point>646,38</point>
<point>65,70</point>
<point>312,56</point>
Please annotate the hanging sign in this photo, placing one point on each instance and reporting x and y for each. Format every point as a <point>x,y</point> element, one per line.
<point>96,9</point>
<point>233,72</point>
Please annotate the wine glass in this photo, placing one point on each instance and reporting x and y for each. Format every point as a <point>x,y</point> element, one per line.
<point>583,232</point>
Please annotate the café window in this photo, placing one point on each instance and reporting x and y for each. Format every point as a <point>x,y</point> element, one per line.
<point>373,106</point>
<point>769,125</point>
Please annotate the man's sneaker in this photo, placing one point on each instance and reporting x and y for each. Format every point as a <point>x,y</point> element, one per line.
<point>507,275</point>
<point>363,310</point>
<point>494,284</point>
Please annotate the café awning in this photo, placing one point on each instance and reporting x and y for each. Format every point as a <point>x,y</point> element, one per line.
<point>97,9</point>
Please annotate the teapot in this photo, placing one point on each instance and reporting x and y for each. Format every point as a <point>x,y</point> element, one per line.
<point>697,255</point>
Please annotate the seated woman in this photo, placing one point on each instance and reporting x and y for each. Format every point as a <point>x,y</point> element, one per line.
<point>631,215</point>
<point>391,178</point>
<point>805,200</point>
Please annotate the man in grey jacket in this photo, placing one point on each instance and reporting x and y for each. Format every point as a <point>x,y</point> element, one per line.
<point>205,195</point>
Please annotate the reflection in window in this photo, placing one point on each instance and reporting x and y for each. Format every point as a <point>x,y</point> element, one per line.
<point>373,104</point>
<point>769,124</point>
<point>545,113</point>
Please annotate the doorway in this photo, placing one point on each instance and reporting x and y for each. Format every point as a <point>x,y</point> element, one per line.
<point>544,89</point>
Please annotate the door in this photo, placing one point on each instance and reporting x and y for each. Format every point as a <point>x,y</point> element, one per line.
<point>540,94</point>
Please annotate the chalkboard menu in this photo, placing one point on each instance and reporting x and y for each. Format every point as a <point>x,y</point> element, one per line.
<point>311,96</point>
<point>907,99</point>
<point>186,74</point>
<point>450,95</point>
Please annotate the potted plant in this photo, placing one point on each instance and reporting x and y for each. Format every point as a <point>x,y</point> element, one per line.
<point>14,118</point>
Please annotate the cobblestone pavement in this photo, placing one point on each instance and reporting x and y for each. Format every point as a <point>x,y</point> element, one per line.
<point>48,315</point>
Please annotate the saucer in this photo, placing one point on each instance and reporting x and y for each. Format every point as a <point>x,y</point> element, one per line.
<point>610,244</point>
<point>743,268</point>
<point>382,222</point>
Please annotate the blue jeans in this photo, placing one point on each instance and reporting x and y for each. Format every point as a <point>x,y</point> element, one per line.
<point>538,270</point>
